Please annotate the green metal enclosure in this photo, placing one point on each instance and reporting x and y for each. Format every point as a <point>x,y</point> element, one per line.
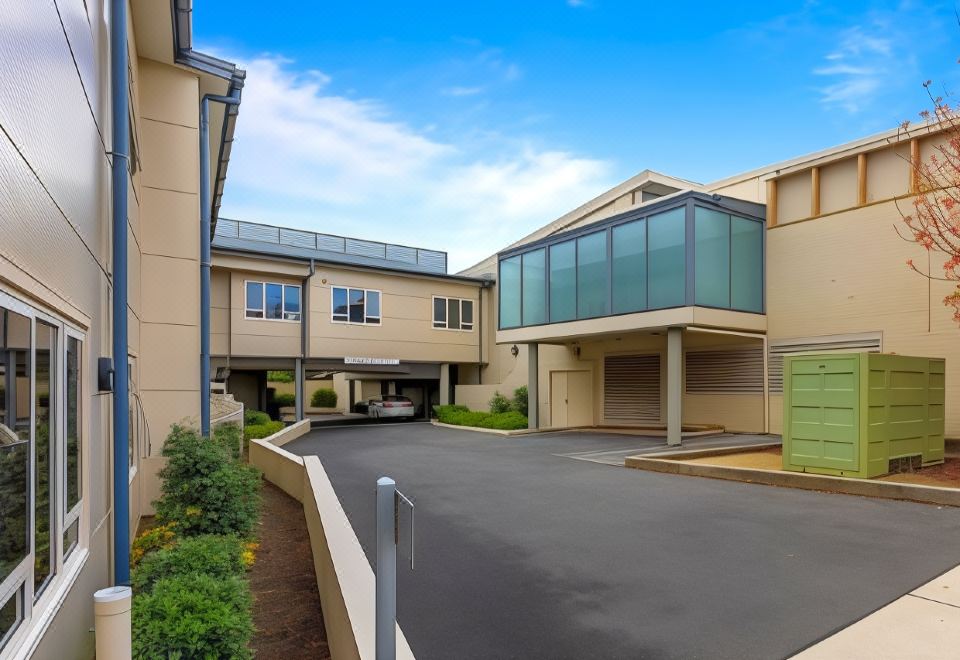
<point>862,414</point>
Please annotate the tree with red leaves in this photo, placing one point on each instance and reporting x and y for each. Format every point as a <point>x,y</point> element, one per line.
<point>935,220</point>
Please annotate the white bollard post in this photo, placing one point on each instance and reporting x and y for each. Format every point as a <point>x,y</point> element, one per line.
<point>111,608</point>
<point>386,612</point>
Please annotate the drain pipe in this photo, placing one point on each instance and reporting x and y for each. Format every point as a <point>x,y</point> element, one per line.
<point>120,162</point>
<point>205,253</point>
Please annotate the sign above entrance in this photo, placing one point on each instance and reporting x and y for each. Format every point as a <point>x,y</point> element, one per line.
<point>369,360</point>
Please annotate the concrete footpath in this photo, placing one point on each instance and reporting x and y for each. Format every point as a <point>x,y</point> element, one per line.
<point>922,625</point>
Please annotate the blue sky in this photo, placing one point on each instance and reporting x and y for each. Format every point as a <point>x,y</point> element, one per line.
<point>463,125</point>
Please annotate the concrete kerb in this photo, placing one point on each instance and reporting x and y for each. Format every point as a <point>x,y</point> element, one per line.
<point>802,480</point>
<point>345,580</point>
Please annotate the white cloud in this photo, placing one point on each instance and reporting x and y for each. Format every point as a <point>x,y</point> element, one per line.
<point>461,91</point>
<point>858,68</point>
<point>307,157</point>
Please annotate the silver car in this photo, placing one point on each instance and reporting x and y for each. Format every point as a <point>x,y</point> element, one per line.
<point>390,406</point>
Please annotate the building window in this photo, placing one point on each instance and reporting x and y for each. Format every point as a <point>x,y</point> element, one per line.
<point>563,282</point>
<point>40,499</point>
<point>534,276</point>
<point>452,313</point>
<point>272,301</point>
<point>358,306</point>
<point>630,267</point>
<point>509,286</point>
<point>592,293</point>
<point>666,259</point>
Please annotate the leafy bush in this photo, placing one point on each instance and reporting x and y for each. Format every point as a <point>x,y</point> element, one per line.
<point>324,398</point>
<point>230,437</point>
<point>499,403</point>
<point>157,538</point>
<point>448,408</point>
<point>219,557</point>
<point>506,421</point>
<point>193,616</point>
<point>206,491</point>
<point>280,376</point>
<point>255,417</point>
<point>285,399</point>
<point>257,431</point>
<point>521,401</point>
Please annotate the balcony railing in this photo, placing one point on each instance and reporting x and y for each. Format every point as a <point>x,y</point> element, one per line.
<point>429,260</point>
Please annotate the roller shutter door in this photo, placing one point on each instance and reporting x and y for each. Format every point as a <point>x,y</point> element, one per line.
<point>865,343</point>
<point>631,387</point>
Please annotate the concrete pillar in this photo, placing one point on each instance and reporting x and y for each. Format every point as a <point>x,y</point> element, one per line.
<point>533,386</point>
<point>444,384</point>
<point>352,389</point>
<point>674,385</point>
<point>299,389</point>
<point>392,387</point>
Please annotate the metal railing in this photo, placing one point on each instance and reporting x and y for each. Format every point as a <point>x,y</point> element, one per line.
<point>432,260</point>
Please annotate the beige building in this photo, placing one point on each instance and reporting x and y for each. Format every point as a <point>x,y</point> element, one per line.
<point>57,287</point>
<point>667,303</point>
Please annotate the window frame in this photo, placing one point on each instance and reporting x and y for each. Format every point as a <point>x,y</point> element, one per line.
<point>262,310</point>
<point>378,320</point>
<point>446,321</point>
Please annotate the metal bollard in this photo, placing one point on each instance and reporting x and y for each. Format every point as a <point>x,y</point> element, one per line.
<point>111,607</point>
<point>386,641</point>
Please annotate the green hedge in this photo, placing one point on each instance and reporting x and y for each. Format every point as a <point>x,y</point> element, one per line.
<point>280,376</point>
<point>257,431</point>
<point>460,416</point>
<point>209,554</point>
<point>252,417</point>
<point>193,615</point>
<point>285,399</point>
<point>324,398</point>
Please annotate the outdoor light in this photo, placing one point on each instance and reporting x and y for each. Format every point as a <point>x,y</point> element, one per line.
<point>514,351</point>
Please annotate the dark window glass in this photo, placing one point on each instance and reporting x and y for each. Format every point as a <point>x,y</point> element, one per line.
<point>439,312</point>
<point>340,309</point>
<point>70,538</point>
<point>45,387</point>
<point>666,270</point>
<point>535,287</point>
<point>711,258</point>
<point>15,406</point>
<point>291,303</point>
<point>592,277</point>
<point>274,301</point>
<point>466,314</point>
<point>10,616</point>
<point>255,300</point>
<point>746,277</point>
<point>373,306</point>
<point>453,313</point>
<point>509,287</point>
<point>356,305</point>
<point>72,467</point>
<point>630,267</point>
<point>563,282</point>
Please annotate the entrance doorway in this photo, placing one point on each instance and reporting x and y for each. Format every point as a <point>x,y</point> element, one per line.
<point>571,400</point>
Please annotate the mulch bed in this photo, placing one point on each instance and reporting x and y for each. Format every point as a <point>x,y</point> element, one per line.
<point>286,607</point>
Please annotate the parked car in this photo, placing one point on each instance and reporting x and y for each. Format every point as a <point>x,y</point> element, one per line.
<point>389,406</point>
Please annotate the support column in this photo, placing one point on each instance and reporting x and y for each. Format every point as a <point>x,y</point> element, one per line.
<point>533,386</point>
<point>352,389</point>
<point>299,389</point>
<point>674,385</point>
<point>444,384</point>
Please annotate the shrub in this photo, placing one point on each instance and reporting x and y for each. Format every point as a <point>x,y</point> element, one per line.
<point>204,490</point>
<point>521,400</point>
<point>499,403</point>
<point>257,431</point>
<point>285,399</point>
<point>448,408</point>
<point>324,398</point>
<point>507,421</point>
<point>219,557</point>
<point>157,538</point>
<point>193,616</point>
<point>255,417</point>
<point>230,437</point>
<point>280,376</point>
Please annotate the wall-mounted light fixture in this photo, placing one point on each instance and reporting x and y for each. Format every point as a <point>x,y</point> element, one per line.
<point>514,351</point>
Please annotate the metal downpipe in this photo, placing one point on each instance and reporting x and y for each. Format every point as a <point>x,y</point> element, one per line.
<point>120,161</point>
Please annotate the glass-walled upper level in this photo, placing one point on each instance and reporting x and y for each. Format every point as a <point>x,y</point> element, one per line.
<point>694,249</point>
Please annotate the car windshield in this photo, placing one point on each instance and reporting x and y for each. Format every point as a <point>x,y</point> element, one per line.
<point>401,399</point>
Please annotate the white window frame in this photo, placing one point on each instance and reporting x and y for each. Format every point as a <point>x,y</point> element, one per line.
<point>446,320</point>
<point>34,615</point>
<point>377,320</point>
<point>263,302</point>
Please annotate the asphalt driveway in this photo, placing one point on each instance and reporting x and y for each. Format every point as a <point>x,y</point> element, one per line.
<point>524,552</point>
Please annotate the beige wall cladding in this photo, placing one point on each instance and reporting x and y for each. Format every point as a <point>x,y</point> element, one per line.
<point>171,223</point>
<point>163,408</point>
<point>819,284</point>
<point>751,190</point>
<point>170,157</point>
<point>736,412</point>
<point>171,290</point>
<point>169,94</point>
<point>793,197</point>
<point>838,186</point>
<point>170,358</point>
<point>888,173</point>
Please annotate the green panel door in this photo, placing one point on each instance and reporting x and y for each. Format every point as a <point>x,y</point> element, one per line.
<point>821,427</point>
